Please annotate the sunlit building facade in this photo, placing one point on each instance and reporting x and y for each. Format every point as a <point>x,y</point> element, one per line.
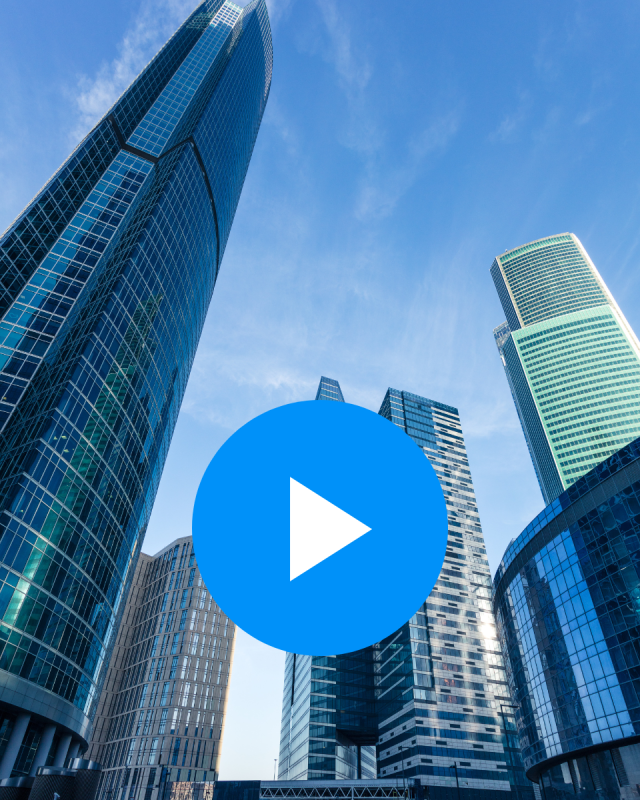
<point>160,717</point>
<point>570,356</point>
<point>106,279</point>
<point>567,603</point>
<point>438,708</point>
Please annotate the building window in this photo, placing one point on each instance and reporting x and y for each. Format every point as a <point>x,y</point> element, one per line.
<point>165,693</point>
<point>185,693</point>
<point>163,720</point>
<point>176,750</point>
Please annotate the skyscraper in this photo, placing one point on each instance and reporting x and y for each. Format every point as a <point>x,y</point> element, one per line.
<point>571,359</point>
<point>329,723</point>
<point>439,702</point>
<point>565,600</point>
<point>161,713</point>
<point>106,280</point>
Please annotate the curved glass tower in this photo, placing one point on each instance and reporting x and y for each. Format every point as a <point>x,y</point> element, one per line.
<point>105,281</point>
<point>571,358</point>
<point>567,604</point>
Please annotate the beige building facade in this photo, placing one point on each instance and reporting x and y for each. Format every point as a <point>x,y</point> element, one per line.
<point>160,717</point>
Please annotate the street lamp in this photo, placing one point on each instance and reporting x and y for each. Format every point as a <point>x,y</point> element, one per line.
<point>504,726</point>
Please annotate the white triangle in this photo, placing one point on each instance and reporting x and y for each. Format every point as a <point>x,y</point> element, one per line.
<point>317,529</point>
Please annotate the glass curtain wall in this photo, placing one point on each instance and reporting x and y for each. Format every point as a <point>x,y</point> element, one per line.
<point>106,281</point>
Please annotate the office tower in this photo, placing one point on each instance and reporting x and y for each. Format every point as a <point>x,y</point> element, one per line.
<point>440,698</point>
<point>161,712</point>
<point>329,389</point>
<point>571,359</point>
<point>328,730</point>
<point>106,281</point>
<point>566,603</point>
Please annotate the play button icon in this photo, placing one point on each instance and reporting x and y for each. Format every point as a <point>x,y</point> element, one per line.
<point>320,528</point>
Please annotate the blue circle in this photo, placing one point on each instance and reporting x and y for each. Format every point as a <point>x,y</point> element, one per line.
<point>359,462</point>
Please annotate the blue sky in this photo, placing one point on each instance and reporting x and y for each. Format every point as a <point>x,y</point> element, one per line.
<point>403,147</point>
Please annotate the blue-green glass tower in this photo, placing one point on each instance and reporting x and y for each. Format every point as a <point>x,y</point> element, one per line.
<point>570,356</point>
<point>105,281</point>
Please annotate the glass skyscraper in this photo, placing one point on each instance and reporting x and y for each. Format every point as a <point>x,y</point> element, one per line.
<point>433,696</point>
<point>106,279</point>
<point>571,359</point>
<point>567,603</point>
<point>160,717</point>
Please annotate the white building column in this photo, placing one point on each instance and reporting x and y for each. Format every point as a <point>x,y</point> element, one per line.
<point>13,745</point>
<point>40,758</point>
<point>73,750</point>
<point>63,749</point>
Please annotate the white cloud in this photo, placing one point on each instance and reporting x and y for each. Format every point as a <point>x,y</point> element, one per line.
<point>382,189</point>
<point>354,71</point>
<point>152,26</point>
<point>512,121</point>
<point>277,10</point>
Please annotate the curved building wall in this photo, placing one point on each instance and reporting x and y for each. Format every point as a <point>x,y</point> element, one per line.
<point>567,605</point>
<point>110,272</point>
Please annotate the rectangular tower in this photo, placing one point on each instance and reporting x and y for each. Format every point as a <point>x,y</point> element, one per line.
<point>160,715</point>
<point>571,359</point>
<point>329,722</point>
<point>440,696</point>
<point>441,691</point>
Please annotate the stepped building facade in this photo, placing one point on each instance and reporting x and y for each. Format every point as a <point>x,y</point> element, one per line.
<point>431,702</point>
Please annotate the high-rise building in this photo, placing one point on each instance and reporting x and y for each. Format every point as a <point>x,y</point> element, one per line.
<point>439,707</point>
<point>329,723</point>
<point>566,603</point>
<point>571,359</point>
<point>160,716</point>
<point>106,278</point>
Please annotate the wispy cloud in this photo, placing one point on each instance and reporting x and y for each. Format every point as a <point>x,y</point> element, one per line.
<point>382,189</point>
<point>154,23</point>
<point>354,71</point>
<point>277,10</point>
<point>366,130</point>
<point>512,121</point>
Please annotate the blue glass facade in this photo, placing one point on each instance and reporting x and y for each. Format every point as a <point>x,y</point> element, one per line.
<point>433,697</point>
<point>106,279</point>
<point>567,604</point>
<point>329,722</point>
